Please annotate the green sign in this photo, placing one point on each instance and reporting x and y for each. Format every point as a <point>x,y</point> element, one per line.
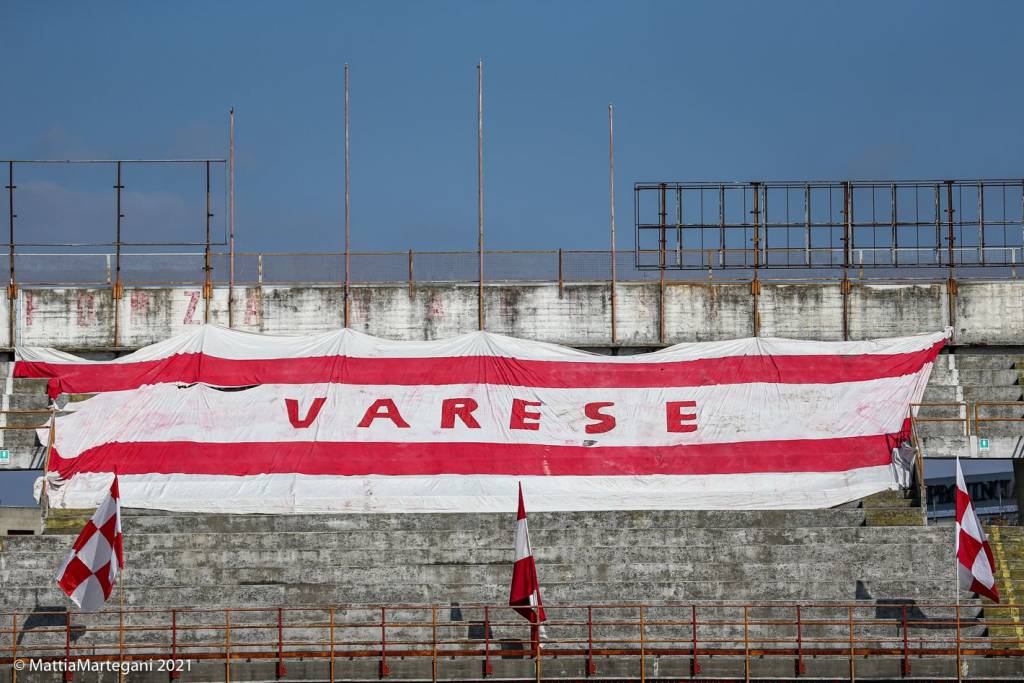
<point>982,444</point>
<point>5,456</point>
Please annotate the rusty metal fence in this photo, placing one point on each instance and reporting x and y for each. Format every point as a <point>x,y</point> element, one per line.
<point>971,418</point>
<point>409,267</point>
<point>624,638</point>
<point>829,224</point>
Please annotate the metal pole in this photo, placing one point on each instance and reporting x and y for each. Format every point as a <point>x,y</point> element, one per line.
<point>331,627</point>
<point>117,235</point>
<point>661,263</point>
<point>755,285</point>
<point>480,185</point>
<point>227,646</point>
<point>12,287</point>
<point>746,644</point>
<point>488,669</point>
<point>174,643</point>
<point>67,646</point>
<point>951,285</point>
<point>949,226</point>
<point>959,662</point>
<point>591,667</point>
<point>231,218</point>
<point>118,287</point>
<point>14,646</point>
<point>120,624</point>
<point>560,274</point>
<point>611,199</point>
<point>347,210</point>
<point>433,642</point>
<point>207,268</point>
<point>853,651</point>
<point>643,647</point>
<point>981,220</point>
<point>382,670</point>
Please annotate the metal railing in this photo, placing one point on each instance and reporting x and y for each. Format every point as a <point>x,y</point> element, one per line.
<point>580,637</point>
<point>410,267</point>
<point>829,224</point>
<point>972,416</point>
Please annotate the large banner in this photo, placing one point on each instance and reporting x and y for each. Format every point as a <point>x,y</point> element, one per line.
<point>383,426</point>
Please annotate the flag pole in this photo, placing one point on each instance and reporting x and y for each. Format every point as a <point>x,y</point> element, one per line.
<point>956,569</point>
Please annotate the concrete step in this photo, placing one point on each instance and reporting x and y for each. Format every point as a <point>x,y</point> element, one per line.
<point>1007,545</point>
<point>577,538</point>
<point>1010,428</point>
<point>642,519</point>
<point>888,499</point>
<point>925,429</point>
<point>939,393</point>
<point>909,553</point>
<point>993,393</point>
<point>448,574</point>
<point>994,378</point>
<point>573,592</point>
<point>895,516</point>
<point>23,385</point>
<point>28,400</point>
<point>24,439</point>
<point>986,361</point>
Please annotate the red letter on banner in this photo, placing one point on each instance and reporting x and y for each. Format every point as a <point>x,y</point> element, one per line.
<point>458,407</point>
<point>676,418</point>
<point>520,416</point>
<point>383,407</point>
<point>293,411</point>
<point>605,423</point>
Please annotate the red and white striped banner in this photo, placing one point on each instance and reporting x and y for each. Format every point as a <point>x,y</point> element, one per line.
<point>451,425</point>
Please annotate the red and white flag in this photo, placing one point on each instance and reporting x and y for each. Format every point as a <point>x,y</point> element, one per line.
<point>975,566</point>
<point>525,595</point>
<point>344,422</point>
<point>89,573</point>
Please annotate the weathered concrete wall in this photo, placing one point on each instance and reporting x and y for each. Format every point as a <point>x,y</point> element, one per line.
<point>990,313</point>
<point>793,310</point>
<point>896,310</point>
<point>576,314</point>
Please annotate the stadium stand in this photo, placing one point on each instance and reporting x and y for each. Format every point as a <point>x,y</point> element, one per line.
<point>875,554</point>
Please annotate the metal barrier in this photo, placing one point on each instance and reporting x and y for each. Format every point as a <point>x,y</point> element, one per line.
<point>624,634</point>
<point>411,267</point>
<point>971,416</point>
<point>829,224</point>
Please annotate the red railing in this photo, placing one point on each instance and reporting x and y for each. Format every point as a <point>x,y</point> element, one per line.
<point>580,639</point>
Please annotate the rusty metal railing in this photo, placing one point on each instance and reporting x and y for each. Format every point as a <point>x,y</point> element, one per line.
<point>411,267</point>
<point>969,415</point>
<point>840,224</point>
<point>364,642</point>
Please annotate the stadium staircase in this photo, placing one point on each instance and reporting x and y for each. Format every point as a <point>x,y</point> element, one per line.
<point>876,554</point>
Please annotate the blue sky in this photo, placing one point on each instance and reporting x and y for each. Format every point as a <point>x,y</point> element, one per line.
<point>702,91</point>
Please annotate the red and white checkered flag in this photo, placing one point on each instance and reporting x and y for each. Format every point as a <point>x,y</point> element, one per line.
<point>89,573</point>
<point>975,566</point>
<point>525,595</point>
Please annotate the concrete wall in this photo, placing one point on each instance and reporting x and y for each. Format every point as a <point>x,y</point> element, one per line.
<point>19,519</point>
<point>984,313</point>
